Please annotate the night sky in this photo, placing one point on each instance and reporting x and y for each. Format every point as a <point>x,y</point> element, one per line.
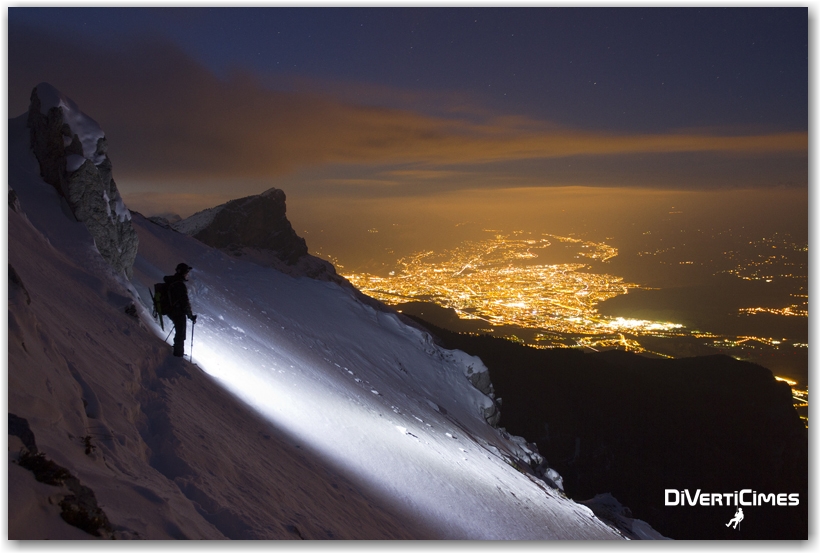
<point>204,105</point>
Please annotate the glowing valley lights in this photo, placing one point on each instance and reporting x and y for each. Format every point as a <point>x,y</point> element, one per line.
<point>499,281</point>
<point>742,498</point>
<point>791,311</point>
<point>620,323</point>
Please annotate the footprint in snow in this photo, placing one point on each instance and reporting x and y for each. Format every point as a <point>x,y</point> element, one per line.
<point>375,392</point>
<point>450,435</point>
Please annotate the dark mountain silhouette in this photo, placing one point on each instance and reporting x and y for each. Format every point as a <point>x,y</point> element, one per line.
<point>256,228</point>
<point>633,426</point>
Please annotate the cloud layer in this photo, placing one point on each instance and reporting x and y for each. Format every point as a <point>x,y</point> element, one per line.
<point>167,117</point>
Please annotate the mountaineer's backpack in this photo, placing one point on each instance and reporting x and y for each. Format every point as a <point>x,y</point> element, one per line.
<point>162,301</point>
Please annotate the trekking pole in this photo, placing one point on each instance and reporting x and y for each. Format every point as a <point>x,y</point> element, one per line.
<point>193,326</point>
<point>169,334</point>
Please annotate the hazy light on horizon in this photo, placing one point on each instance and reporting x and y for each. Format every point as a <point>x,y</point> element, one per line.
<point>339,226</point>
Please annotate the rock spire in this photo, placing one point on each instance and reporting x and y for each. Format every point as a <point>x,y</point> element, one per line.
<point>72,152</point>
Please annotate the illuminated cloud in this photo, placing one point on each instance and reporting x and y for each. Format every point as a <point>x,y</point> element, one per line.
<point>424,174</point>
<point>167,117</point>
<point>361,182</point>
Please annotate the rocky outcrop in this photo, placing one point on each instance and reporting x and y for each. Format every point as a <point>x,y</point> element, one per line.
<point>610,510</point>
<point>16,286</point>
<point>14,202</point>
<point>72,152</point>
<point>78,504</point>
<point>254,222</point>
<point>256,228</point>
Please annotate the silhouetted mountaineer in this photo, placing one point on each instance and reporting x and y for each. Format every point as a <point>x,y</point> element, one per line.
<point>180,306</point>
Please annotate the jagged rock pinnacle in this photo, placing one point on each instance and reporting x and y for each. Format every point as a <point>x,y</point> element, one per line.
<point>71,149</point>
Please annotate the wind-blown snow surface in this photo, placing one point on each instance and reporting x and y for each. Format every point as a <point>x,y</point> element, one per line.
<point>338,421</point>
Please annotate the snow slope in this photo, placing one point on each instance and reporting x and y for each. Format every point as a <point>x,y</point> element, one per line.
<point>306,414</point>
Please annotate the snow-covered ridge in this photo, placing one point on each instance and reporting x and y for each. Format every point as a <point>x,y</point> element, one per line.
<point>198,221</point>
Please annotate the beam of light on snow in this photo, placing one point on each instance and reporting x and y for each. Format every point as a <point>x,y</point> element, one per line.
<point>250,386</point>
<point>421,460</point>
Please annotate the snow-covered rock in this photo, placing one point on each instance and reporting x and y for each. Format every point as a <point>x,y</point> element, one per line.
<point>619,517</point>
<point>72,153</point>
<point>479,377</point>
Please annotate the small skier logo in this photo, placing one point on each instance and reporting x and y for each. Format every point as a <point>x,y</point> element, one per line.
<point>737,518</point>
